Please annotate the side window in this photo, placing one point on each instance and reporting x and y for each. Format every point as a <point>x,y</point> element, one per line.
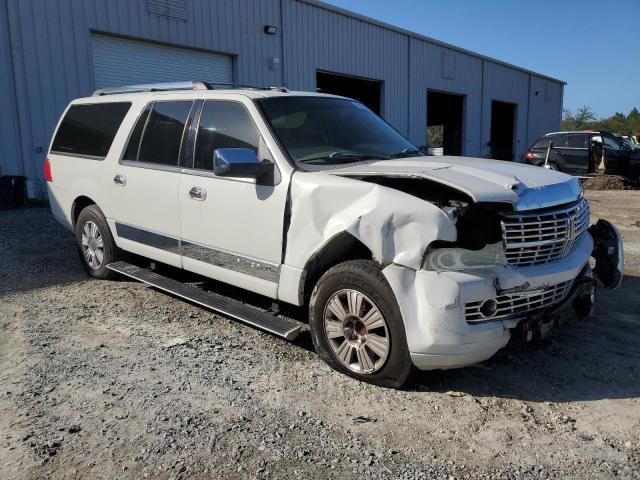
<point>542,142</point>
<point>611,142</point>
<point>223,124</point>
<point>131,153</point>
<point>577,141</point>
<point>162,134</point>
<point>559,141</point>
<point>89,129</point>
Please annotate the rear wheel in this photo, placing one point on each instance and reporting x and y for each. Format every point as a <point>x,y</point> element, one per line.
<point>553,166</point>
<point>356,324</point>
<point>96,246</point>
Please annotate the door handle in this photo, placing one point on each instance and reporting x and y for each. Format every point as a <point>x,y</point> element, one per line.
<point>120,180</point>
<point>198,193</point>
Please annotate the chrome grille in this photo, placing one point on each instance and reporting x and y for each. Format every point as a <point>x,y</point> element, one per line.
<point>545,236</point>
<point>517,305</point>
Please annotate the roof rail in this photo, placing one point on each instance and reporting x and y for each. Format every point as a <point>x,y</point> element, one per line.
<point>154,87</point>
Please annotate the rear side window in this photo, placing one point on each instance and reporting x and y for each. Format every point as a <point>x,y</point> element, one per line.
<point>89,130</point>
<point>560,141</point>
<point>577,141</point>
<point>157,136</point>
<point>223,125</point>
<point>543,142</point>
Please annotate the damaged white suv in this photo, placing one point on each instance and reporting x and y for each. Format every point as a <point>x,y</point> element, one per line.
<point>403,259</point>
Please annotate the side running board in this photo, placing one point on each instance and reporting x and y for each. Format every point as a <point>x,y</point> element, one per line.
<point>279,326</point>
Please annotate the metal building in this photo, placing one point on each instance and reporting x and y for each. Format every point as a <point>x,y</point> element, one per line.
<point>54,50</point>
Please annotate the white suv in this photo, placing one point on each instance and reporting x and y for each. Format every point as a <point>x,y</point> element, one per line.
<point>403,259</point>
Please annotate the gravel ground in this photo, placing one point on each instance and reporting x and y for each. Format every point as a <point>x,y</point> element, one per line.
<point>116,380</point>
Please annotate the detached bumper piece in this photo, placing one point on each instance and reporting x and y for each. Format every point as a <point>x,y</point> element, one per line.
<point>282,327</point>
<point>608,254</point>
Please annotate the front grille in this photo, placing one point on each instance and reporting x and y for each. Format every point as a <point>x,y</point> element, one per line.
<point>545,236</point>
<point>517,305</point>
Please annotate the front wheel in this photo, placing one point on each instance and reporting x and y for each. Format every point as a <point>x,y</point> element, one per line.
<point>356,324</point>
<point>96,246</point>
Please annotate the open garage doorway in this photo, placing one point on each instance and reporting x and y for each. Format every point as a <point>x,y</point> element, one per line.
<point>445,122</point>
<point>363,89</point>
<point>503,130</point>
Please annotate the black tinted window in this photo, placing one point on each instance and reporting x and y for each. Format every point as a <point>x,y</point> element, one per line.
<point>163,134</point>
<point>559,141</point>
<point>223,125</point>
<point>542,142</point>
<point>577,141</point>
<point>134,141</point>
<point>89,129</point>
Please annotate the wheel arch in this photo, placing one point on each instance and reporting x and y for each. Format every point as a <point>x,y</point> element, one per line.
<point>340,248</point>
<point>79,204</point>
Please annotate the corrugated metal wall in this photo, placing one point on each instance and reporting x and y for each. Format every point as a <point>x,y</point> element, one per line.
<point>438,68</point>
<point>505,85</point>
<point>321,39</point>
<point>10,153</point>
<point>45,60</point>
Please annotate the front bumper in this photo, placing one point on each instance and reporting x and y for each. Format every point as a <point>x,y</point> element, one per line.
<point>433,305</point>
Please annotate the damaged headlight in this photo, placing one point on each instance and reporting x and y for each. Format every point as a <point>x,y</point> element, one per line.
<point>487,260</point>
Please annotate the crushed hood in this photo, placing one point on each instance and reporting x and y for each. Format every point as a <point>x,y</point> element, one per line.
<point>524,186</point>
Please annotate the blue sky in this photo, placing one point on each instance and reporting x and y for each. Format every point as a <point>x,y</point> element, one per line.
<point>594,46</point>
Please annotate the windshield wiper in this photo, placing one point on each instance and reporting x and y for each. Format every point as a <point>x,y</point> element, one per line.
<point>407,152</point>
<point>363,156</point>
<point>345,155</point>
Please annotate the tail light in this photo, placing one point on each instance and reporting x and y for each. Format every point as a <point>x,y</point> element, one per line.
<point>47,171</point>
<point>529,155</point>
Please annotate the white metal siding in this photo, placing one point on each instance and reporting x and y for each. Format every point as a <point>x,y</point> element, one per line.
<point>118,61</point>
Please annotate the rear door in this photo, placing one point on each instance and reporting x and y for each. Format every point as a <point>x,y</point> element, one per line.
<point>144,183</point>
<point>574,151</point>
<point>232,230</point>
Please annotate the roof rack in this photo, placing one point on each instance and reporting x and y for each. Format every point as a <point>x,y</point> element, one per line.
<point>154,87</point>
<point>172,86</point>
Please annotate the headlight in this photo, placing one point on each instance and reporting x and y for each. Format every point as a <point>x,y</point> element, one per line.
<point>488,260</point>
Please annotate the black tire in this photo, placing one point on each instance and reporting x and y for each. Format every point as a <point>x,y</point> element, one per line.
<point>365,278</point>
<point>554,166</point>
<point>92,215</point>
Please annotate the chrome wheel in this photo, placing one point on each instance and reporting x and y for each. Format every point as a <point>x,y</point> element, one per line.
<point>357,331</point>
<point>92,245</point>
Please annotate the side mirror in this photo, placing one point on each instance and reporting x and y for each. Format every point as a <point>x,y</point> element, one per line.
<point>240,162</point>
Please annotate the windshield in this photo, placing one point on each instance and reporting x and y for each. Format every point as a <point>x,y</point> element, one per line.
<point>324,131</point>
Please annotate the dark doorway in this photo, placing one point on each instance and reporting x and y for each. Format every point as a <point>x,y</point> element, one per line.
<point>445,121</point>
<point>361,89</point>
<point>503,126</point>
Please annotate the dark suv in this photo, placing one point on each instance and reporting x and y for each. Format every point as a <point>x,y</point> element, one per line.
<point>580,153</point>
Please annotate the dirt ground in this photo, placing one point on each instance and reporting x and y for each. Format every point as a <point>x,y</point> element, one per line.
<point>116,380</point>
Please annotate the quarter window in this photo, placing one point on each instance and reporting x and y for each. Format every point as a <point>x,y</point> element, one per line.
<point>162,135</point>
<point>223,124</point>
<point>89,130</point>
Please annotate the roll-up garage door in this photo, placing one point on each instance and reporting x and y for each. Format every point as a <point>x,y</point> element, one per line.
<point>117,62</point>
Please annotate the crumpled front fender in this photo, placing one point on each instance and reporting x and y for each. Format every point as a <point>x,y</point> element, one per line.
<point>396,227</point>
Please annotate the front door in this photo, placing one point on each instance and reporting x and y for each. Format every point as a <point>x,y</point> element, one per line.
<point>231,228</point>
<point>616,158</point>
<point>144,184</point>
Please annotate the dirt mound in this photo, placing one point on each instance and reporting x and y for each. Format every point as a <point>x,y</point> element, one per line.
<point>608,182</point>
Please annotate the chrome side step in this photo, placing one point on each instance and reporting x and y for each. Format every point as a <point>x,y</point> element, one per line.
<point>282,327</point>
